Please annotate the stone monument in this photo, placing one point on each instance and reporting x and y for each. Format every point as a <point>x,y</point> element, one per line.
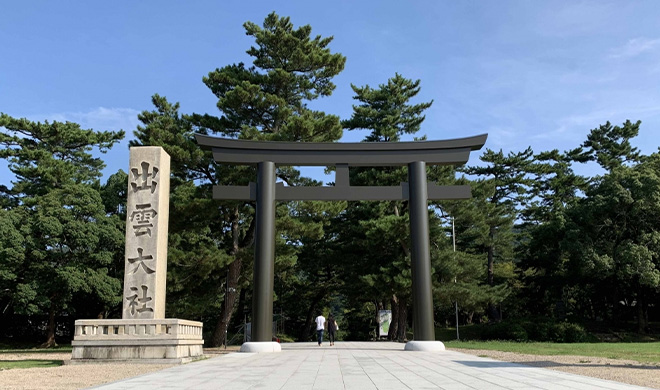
<point>143,334</point>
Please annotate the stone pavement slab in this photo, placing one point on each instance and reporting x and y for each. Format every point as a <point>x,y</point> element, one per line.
<point>359,366</point>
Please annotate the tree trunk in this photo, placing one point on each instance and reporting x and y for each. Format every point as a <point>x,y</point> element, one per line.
<point>308,327</point>
<point>50,331</point>
<point>641,315</point>
<point>402,312</point>
<point>231,288</point>
<point>403,239</point>
<point>616,312</point>
<point>403,320</point>
<point>394,324</point>
<point>234,272</point>
<point>241,311</point>
<point>493,313</point>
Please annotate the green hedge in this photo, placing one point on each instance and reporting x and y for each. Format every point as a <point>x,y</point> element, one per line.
<point>521,330</point>
<point>504,331</point>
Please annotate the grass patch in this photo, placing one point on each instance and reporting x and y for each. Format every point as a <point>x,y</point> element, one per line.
<point>641,352</point>
<point>37,357</point>
<point>59,349</point>
<point>29,363</point>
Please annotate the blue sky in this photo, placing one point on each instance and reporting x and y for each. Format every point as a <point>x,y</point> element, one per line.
<point>528,73</point>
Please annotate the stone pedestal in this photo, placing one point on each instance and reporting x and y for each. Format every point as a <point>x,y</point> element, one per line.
<point>261,347</point>
<point>424,346</point>
<point>141,341</point>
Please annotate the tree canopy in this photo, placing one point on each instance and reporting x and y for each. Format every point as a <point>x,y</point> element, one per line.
<point>60,242</point>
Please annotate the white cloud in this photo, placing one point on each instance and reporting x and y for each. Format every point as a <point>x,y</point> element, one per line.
<point>99,119</point>
<point>635,47</point>
<point>102,118</point>
<point>106,119</point>
<point>569,126</point>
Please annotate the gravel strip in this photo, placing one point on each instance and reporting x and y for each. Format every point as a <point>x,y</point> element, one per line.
<point>71,377</point>
<point>625,371</point>
<point>68,377</point>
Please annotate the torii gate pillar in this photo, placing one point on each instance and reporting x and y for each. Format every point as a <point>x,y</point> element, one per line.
<point>420,257</point>
<point>264,256</point>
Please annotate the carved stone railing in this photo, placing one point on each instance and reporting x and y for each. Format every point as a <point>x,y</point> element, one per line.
<point>166,328</point>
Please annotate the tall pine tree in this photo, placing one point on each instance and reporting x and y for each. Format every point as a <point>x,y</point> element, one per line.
<point>382,268</point>
<point>505,180</point>
<point>265,101</point>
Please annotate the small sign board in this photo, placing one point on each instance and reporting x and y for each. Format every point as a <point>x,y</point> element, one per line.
<point>384,320</point>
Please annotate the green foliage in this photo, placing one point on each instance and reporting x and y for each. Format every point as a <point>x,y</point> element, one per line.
<point>48,155</point>
<point>609,145</point>
<point>565,332</point>
<point>374,254</point>
<point>484,224</point>
<point>114,194</point>
<point>460,277</point>
<point>265,101</point>
<point>58,242</point>
<point>304,65</point>
<point>12,256</point>
<point>504,331</point>
<point>589,247</point>
<point>30,348</point>
<point>613,236</point>
<point>385,111</point>
<point>270,105</point>
<point>541,329</point>
<point>535,329</point>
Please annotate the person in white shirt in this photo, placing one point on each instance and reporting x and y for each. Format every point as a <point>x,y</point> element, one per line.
<point>320,326</point>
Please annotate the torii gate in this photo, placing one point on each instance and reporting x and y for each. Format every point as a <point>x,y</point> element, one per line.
<point>267,155</point>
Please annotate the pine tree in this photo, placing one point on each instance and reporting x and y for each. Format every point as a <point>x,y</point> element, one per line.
<point>380,271</point>
<point>505,181</point>
<point>265,101</point>
<point>386,111</point>
<point>611,237</point>
<point>268,101</point>
<point>68,241</point>
<point>609,145</point>
<point>545,220</point>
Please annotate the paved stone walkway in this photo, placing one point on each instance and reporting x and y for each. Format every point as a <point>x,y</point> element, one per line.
<point>359,366</point>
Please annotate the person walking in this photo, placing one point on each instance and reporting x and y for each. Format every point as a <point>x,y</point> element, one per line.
<point>332,329</point>
<point>320,326</point>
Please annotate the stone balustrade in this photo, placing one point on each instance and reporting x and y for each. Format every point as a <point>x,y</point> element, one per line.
<point>165,328</point>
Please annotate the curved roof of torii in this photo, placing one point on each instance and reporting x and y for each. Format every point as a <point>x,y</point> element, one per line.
<point>444,152</point>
